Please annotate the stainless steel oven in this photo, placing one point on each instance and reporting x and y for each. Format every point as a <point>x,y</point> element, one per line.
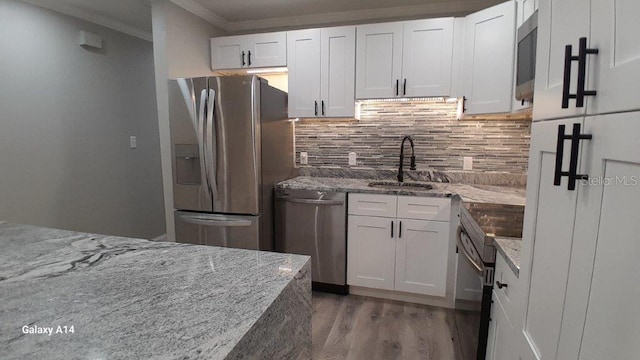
<point>480,223</point>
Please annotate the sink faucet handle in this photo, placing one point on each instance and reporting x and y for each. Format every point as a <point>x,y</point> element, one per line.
<point>413,163</point>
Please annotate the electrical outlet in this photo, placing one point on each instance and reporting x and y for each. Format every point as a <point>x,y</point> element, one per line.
<point>304,160</point>
<point>467,163</point>
<point>133,142</point>
<point>352,158</point>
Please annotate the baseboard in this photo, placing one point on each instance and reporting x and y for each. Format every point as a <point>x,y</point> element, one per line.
<point>401,296</point>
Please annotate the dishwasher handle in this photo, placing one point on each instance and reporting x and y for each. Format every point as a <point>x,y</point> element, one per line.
<point>311,201</point>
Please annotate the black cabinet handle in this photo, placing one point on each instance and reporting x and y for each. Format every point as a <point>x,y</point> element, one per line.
<point>566,81</point>
<point>249,57</point>
<point>501,285</point>
<point>322,107</point>
<point>397,87</point>
<point>316,107</point>
<point>583,51</point>
<point>404,87</point>
<point>572,174</point>
<point>576,136</point>
<point>558,174</point>
<point>243,63</point>
<point>391,228</point>
<point>400,230</point>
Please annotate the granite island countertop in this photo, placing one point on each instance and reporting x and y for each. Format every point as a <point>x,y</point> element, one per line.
<point>470,193</point>
<point>132,299</point>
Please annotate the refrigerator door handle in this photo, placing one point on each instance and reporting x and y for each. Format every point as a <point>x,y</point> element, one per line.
<point>213,220</point>
<point>201,139</point>
<point>209,142</point>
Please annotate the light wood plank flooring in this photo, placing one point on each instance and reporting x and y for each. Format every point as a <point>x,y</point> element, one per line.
<point>356,327</point>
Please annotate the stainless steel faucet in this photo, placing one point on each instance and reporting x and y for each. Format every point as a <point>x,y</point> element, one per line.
<point>413,157</point>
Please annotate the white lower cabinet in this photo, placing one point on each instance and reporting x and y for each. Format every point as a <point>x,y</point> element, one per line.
<point>421,256</point>
<point>502,337</point>
<point>369,250</point>
<point>398,253</point>
<point>501,331</point>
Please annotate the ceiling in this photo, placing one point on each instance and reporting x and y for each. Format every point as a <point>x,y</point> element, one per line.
<point>247,15</point>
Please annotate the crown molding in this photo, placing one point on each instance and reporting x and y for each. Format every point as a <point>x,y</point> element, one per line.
<point>204,13</point>
<point>68,9</point>
<point>398,12</point>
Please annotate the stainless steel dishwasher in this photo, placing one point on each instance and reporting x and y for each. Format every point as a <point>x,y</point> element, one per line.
<point>313,223</point>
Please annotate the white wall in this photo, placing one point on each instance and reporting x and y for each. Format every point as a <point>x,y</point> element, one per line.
<point>181,49</point>
<point>66,114</point>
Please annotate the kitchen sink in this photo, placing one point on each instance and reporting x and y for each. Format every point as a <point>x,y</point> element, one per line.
<point>409,185</point>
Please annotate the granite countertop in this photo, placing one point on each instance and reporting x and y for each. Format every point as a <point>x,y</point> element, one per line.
<point>510,250</point>
<point>131,298</point>
<point>470,193</point>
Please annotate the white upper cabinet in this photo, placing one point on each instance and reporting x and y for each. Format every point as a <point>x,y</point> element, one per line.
<point>378,60</point>
<point>487,80</point>
<point>611,56</point>
<point>303,53</point>
<point>228,52</point>
<point>244,51</point>
<point>410,58</point>
<point>614,72</point>
<point>426,57</point>
<point>560,23</point>
<point>337,71</point>
<point>321,72</point>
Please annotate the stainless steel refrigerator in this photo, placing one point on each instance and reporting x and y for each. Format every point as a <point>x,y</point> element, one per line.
<point>231,141</point>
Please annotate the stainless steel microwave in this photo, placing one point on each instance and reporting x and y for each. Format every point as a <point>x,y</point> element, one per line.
<point>526,58</point>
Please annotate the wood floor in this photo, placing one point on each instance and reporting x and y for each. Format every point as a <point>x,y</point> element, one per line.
<point>355,327</point>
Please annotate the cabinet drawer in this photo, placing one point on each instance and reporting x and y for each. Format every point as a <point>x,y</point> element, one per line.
<point>424,208</point>
<point>505,275</point>
<point>372,205</point>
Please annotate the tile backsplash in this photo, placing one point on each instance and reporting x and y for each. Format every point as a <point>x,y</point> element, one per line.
<point>441,141</point>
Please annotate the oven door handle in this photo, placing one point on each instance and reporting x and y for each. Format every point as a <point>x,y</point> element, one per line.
<point>479,267</point>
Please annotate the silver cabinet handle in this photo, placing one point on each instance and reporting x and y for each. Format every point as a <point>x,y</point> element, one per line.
<point>213,220</point>
<point>311,201</point>
<point>478,267</point>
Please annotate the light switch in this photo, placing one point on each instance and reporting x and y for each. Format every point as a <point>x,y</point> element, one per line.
<point>133,142</point>
<point>303,158</point>
<point>352,158</point>
<point>467,163</point>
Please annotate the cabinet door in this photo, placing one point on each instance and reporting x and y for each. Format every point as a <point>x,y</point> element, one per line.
<point>427,57</point>
<point>266,50</point>
<point>547,240</point>
<point>560,23</point>
<point>228,52</point>
<point>615,70</point>
<point>303,52</point>
<point>370,249</point>
<point>604,287</point>
<point>338,66</point>
<point>499,341</point>
<point>489,59</point>
<point>525,8</point>
<point>421,256</point>
<point>378,60</point>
